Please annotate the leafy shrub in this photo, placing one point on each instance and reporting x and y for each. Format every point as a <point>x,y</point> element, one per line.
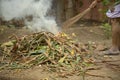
<point>107,30</point>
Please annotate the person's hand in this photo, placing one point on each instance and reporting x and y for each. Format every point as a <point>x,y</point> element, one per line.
<point>112,9</point>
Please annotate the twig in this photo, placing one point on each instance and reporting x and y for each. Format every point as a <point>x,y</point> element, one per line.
<point>99,76</point>
<point>2,67</point>
<point>95,75</point>
<point>104,61</point>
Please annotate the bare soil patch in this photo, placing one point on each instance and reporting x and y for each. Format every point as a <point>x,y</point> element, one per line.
<point>106,67</point>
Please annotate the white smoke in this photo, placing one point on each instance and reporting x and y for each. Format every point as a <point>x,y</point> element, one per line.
<point>38,9</point>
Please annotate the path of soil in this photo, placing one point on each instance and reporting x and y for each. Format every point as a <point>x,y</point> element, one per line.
<point>107,70</point>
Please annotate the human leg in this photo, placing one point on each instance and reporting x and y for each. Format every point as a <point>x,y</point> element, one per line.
<point>115,38</point>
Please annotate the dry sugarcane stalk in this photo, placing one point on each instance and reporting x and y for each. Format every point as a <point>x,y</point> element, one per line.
<point>56,50</point>
<point>71,21</point>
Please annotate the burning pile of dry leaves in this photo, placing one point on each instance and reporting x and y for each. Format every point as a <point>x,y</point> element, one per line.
<point>57,52</point>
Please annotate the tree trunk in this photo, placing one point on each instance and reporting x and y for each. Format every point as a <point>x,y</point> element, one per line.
<point>60,12</point>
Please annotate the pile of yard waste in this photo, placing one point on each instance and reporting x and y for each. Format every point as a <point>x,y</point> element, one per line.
<point>57,52</point>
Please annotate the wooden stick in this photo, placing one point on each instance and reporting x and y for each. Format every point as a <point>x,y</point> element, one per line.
<point>71,21</point>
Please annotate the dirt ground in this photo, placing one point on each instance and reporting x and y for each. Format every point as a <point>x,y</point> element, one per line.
<point>106,67</point>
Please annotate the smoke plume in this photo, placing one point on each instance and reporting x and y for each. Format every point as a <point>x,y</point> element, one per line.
<point>38,9</point>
